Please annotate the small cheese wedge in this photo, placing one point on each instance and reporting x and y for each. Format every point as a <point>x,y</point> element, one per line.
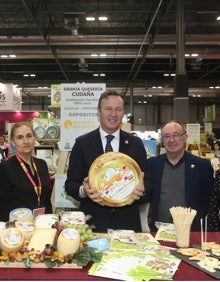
<point>11,240</point>
<point>21,214</point>
<point>41,237</point>
<point>68,241</point>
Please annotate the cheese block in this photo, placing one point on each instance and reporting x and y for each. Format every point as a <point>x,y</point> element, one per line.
<point>45,220</point>
<point>11,239</point>
<point>73,217</point>
<point>21,214</point>
<point>68,241</point>
<point>41,237</point>
<point>114,176</point>
<point>26,228</point>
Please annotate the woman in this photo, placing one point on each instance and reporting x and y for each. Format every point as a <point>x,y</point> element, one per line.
<point>4,147</point>
<point>24,180</point>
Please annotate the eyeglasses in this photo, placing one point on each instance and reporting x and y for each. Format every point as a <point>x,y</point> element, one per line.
<point>175,136</point>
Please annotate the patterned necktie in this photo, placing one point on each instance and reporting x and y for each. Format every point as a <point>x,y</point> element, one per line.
<point>108,147</point>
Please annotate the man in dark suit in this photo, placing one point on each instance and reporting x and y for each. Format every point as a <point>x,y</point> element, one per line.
<point>178,178</point>
<point>91,145</point>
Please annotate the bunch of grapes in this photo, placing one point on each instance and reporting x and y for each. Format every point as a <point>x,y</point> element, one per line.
<point>84,230</point>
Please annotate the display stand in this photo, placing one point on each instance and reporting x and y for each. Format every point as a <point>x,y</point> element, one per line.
<point>60,169</point>
<point>194,149</point>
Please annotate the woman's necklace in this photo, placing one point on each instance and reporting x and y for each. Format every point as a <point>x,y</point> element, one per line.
<point>37,188</point>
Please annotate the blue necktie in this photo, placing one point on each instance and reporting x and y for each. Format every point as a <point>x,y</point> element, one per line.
<point>108,147</point>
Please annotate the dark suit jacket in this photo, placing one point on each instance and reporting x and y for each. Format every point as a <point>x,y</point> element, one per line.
<point>198,184</point>
<point>85,150</point>
<point>214,207</point>
<point>16,190</point>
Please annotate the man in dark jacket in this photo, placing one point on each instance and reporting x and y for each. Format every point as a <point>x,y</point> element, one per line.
<point>91,145</point>
<point>178,178</point>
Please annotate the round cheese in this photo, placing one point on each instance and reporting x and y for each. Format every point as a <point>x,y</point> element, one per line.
<point>114,176</point>
<point>73,217</point>
<point>68,241</point>
<point>11,240</point>
<point>26,228</point>
<point>21,214</point>
<point>45,220</point>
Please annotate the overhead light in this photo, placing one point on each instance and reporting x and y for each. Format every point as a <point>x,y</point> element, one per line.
<point>101,74</point>
<point>218,18</point>
<point>4,56</point>
<point>169,74</point>
<point>90,19</point>
<point>196,96</point>
<point>100,55</point>
<point>27,75</point>
<point>103,18</point>
<point>12,56</point>
<point>191,55</point>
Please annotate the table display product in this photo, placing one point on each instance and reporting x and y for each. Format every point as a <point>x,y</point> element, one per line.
<point>21,214</point>
<point>115,175</point>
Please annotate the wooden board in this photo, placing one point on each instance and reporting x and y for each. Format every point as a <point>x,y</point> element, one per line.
<point>39,265</point>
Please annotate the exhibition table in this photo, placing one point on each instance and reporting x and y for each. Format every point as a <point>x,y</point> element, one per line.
<point>185,271</point>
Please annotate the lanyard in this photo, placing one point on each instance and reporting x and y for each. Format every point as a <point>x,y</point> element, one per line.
<point>38,188</point>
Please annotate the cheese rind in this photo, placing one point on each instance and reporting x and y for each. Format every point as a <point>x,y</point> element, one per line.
<point>68,241</point>
<point>41,237</point>
<point>11,240</point>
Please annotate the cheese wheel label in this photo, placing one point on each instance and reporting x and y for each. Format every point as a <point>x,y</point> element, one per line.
<point>116,182</point>
<point>12,237</point>
<point>70,233</point>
